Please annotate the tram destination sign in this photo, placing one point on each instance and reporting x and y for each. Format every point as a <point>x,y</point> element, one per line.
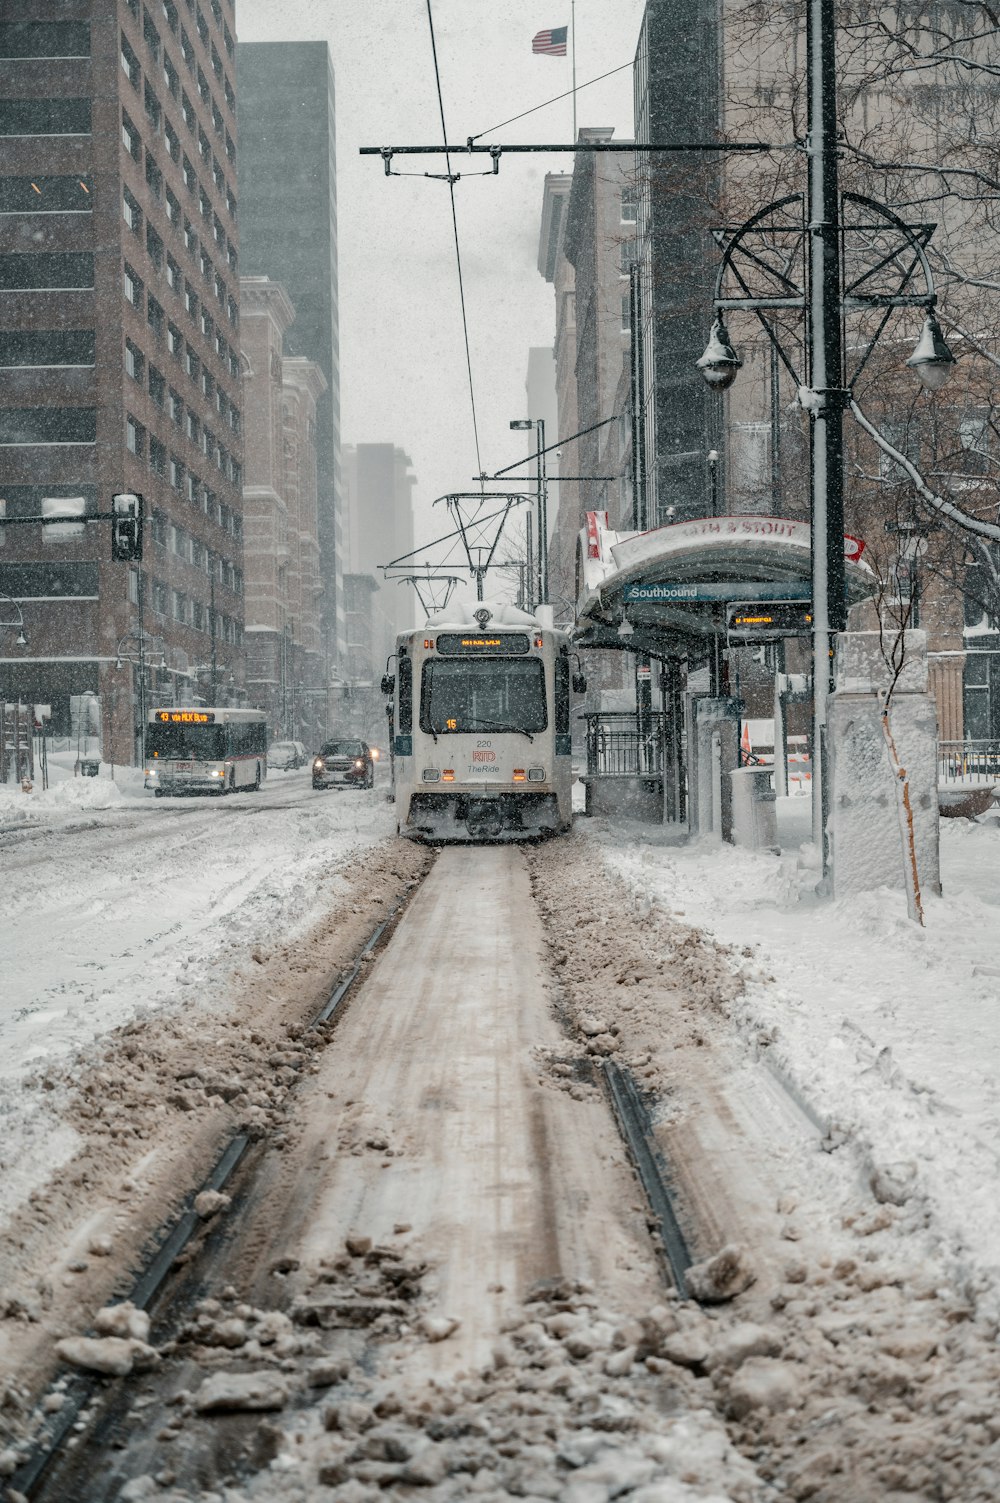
<point>681,592</point>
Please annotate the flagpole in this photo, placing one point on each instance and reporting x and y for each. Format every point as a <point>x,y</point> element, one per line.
<point>572,29</point>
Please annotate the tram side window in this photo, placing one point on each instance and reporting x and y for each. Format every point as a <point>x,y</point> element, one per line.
<point>405,691</point>
<point>562,694</point>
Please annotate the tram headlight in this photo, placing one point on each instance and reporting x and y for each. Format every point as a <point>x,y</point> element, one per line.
<point>536,774</point>
<point>431,775</point>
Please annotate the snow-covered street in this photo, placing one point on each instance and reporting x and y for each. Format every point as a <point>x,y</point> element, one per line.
<point>438,1275</point>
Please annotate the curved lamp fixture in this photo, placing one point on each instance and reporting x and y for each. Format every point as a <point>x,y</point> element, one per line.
<point>720,362</point>
<point>932,360</point>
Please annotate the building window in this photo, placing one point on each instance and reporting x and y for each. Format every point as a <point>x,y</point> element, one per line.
<point>191,363</point>
<point>218,173</point>
<point>173,274</point>
<point>219,230</point>
<point>175,407</point>
<point>155,317</point>
<point>231,202</point>
<point>46,347</point>
<point>173,208</point>
<point>173,141</point>
<point>204,145</point>
<point>46,271</point>
<point>171,77</point>
<point>230,97</point>
<point>234,365</point>
<point>151,105</point>
<point>205,262</point>
<point>626,314</point>
<point>630,203</point>
<point>204,204</point>
<point>176,475</point>
<point>235,420</point>
<point>132,286</point>
<point>231,256</point>
<point>191,485</point>
<point>189,175</point>
<point>169,14</point>
<point>44,117</point>
<point>230,148</point>
<point>203,88</point>
<point>202,27</point>
<point>154,245</point>
<point>130,137</point>
<point>187,110</point>
<point>157,457</point>
<point>158,528</point>
<point>207,384</point>
<point>130,64</point>
<point>233,312</point>
<point>187,48</point>
<point>217,120</point>
<point>131,212</point>
<point>175,340</point>
<point>150,35</point>
<point>180,606</point>
<point>48,425</point>
<point>135,437</point>
<point>135,361</point>
<point>159,596</point>
<point>193,428</point>
<point>207,323</point>
<point>154,177</point>
<point>190,300</point>
<point>157,386</point>
<point>207,442</point>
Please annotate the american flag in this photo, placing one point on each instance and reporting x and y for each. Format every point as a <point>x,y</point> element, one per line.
<point>551,42</point>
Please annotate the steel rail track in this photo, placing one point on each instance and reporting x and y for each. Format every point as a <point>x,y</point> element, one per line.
<point>82,1387</point>
<point>636,1128</point>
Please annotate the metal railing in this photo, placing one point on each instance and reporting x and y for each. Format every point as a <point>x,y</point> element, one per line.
<point>969,763</point>
<point>618,746</point>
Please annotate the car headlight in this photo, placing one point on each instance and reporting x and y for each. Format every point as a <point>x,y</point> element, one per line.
<point>318,765</point>
<point>359,763</point>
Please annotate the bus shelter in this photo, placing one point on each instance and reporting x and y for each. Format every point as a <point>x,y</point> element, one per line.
<point>678,596</point>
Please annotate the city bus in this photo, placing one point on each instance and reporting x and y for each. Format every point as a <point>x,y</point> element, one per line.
<point>205,750</point>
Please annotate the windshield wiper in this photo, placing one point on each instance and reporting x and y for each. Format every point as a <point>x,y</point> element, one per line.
<point>494,725</point>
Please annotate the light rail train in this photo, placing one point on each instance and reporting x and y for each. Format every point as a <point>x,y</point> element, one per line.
<point>480,722</point>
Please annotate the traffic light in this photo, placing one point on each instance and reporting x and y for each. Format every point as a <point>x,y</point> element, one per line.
<point>126,527</point>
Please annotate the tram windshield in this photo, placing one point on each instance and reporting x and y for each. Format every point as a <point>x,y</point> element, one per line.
<point>186,743</point>
<point>485,694</point>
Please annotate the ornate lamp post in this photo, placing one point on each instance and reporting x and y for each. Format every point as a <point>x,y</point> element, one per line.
<point>791,256</point>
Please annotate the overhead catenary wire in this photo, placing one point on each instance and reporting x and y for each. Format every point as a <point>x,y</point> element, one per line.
<point>454,225</point>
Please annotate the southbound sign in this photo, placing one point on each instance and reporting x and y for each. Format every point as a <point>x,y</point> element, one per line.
<point>670,592</point>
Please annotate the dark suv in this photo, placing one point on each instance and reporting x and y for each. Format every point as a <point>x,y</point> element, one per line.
<point>343,764</point>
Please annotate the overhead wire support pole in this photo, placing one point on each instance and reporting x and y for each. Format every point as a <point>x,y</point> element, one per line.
<point>472,147</point>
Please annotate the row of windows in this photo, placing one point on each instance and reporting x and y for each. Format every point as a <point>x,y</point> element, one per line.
<point>184,353</point>
<point>44,117</point>
<point>46,347</point>
<point>177,540</point>
<point>45,195</point>
<point>173,469</point>
<point>194,613</point>
<point>48,425</point>
<point>133,71</point>
<point>160,124</point>
<point>63,579</point>
<point>24,39</point>
<point>133,216</point>
<point>63,270</point>
<point>151,37</point>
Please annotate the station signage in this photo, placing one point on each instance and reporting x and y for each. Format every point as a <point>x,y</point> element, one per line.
<point>675,592</point>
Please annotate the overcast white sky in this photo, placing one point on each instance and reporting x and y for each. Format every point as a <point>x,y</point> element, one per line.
<point>402,359</point>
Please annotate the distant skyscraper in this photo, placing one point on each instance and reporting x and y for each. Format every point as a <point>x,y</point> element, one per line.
<point>378,484</point>
<point>288,227</point>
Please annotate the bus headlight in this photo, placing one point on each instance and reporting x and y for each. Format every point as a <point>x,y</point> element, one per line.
<point>536,774</point>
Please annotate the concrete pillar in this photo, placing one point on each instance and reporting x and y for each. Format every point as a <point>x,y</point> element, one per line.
<point>711,716</point>
<point>865,834</point>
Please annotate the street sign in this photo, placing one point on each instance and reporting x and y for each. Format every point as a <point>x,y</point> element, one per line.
<point>754,623</point>
<point>669,592</point>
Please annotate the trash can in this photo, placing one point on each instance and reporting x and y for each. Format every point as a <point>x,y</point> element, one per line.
<point>755,819</point>
<point>90,767</point>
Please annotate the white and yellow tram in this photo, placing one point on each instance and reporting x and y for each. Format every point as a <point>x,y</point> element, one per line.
<point>481,726</point>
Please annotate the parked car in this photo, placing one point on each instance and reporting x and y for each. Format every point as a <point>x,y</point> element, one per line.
<point>343,764</point>
<point>286,755</point>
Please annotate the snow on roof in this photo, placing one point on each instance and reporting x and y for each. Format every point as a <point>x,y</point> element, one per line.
<point>462,613</point>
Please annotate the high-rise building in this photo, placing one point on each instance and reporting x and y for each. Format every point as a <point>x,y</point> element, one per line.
<point>378,485</point>
<point>286,671</point>
<point>288,186</point>
<point>676,77</point>
<point>119,333</point>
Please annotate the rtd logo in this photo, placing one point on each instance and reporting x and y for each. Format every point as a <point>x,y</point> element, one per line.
<point>484,756</point>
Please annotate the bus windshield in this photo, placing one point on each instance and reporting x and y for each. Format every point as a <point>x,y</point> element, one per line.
<point>186,743</point>
<point>485,694</point>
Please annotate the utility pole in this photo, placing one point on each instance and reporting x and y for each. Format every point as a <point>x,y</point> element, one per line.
<point>211,614</point>
<point>829,397</point>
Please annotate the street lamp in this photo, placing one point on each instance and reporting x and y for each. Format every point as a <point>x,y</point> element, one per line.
<point>17,620</point>
<point>795,258</point>
<point>713,467</point>
<point>543,542</point>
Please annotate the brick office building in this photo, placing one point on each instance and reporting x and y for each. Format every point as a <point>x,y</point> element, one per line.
<point>119,339</point>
